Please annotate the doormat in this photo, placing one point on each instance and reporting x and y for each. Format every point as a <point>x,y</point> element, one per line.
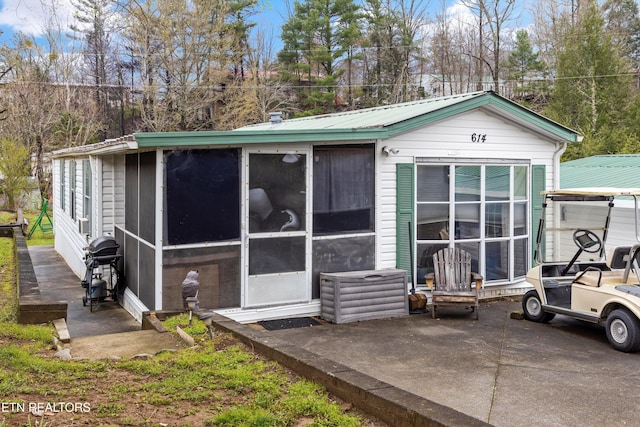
<point>298,322</point>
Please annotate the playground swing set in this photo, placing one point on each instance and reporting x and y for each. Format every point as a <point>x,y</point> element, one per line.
<point>45,226</point>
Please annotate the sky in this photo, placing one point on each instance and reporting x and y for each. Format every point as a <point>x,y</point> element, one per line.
<point>33,16</point>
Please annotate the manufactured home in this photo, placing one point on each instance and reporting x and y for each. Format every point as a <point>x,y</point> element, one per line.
<point>262,210</point>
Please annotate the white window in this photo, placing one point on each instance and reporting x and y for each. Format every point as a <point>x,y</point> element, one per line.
<point>72,188</point>
<point>63,188</point>
<point>481,208</point>
<point>86,193</point>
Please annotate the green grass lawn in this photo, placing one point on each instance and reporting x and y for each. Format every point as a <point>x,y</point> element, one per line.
<point>218,382</point>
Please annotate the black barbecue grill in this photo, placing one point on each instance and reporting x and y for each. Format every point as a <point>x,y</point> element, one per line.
<point>102,279</point>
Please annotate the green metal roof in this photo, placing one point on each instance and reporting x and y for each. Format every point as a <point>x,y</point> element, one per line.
<point>613,170</point>
<point>375,117</point>
<point>371,123</point>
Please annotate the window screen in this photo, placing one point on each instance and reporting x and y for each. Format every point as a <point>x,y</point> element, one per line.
<point>202,196</point>
<point>343,189</point>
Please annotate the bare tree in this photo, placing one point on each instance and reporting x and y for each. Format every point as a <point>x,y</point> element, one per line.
<point>33,107</point>
<point>492,15</point>
<point>46,106</point>
<point>93,25</point>
<point>185,53</point>
<point>392,45</point>
<point>551,22</point>
<point>3,111</point>
<point>251,99</point>
<point>412,23</point>
<point>454,47</point>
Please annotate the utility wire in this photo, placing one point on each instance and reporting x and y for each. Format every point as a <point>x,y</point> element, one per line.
<point>226,86</point>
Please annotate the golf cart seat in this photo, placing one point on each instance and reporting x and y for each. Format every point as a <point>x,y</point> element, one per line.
<point>618,257</point>
<point>452,281</point>
<point>617,261</point>
<point>595,277</point>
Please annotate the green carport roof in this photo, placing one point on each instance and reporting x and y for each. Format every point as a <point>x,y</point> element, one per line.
<point>613,170</point>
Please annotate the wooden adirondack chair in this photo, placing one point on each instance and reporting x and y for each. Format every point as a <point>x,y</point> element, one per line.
<point>453,282</point>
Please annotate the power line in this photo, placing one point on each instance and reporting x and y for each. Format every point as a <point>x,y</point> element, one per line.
<point>226,86</point>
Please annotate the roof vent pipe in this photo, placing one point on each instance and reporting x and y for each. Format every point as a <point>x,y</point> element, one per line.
<point>275,117</point>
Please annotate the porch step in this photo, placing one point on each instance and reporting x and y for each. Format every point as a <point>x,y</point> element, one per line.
<point>63,331</point>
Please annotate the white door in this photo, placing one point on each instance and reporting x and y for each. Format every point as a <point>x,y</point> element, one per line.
<point>276,244</point>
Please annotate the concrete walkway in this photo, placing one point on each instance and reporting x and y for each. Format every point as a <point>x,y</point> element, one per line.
<point>500,370</point>
<point>419,371</point>
<point>108,330</point>
<point>497,370</point>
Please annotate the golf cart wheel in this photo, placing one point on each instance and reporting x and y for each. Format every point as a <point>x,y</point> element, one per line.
<point>532,307</point>
<point>623,331</point>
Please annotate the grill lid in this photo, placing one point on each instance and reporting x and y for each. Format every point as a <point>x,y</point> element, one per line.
<point>104,245</point>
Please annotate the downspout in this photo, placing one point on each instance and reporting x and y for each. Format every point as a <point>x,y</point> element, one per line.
<point>561,147</point>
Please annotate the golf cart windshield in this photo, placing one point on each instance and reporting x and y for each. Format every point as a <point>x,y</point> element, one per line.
<point>575,222</point>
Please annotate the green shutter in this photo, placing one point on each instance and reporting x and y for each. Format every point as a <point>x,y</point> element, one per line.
<point>538,184</point>
<point>404,215</point>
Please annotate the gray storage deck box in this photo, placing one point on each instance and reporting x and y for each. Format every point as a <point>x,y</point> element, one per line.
<point>363,295</point>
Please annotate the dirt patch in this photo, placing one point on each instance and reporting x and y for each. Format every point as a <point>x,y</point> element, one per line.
<point>125,393</point>
<point>124,344</point>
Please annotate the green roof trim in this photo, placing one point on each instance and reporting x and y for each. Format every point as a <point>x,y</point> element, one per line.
<point>381,122</point>
<point>171,139</point>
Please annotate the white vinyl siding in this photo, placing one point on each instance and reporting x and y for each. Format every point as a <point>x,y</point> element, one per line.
<point>450,140</point>
<point>112,185</point>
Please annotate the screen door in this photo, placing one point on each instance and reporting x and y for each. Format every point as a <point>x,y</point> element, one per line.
<point>277,230</point>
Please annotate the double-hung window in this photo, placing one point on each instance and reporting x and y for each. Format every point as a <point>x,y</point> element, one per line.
<point>86,194</point>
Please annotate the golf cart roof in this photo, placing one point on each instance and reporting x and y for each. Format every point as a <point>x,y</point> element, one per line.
<point>593,193</point>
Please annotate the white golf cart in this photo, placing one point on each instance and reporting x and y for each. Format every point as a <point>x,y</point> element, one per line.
<point>574,277</point>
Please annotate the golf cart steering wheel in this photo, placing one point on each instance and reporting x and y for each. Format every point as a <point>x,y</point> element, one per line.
<point>587,241</point>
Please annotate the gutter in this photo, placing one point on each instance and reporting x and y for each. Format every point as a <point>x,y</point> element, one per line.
<point>110,146</point>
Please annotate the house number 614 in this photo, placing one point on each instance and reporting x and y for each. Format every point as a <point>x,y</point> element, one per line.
<point>478,137</point>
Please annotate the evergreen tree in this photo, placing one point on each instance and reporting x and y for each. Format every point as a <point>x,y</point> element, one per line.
<point>315,38</point>
<point>524,65</point>
<point>592,87</point>
<point>381,57</point>
<point>239,12</point>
